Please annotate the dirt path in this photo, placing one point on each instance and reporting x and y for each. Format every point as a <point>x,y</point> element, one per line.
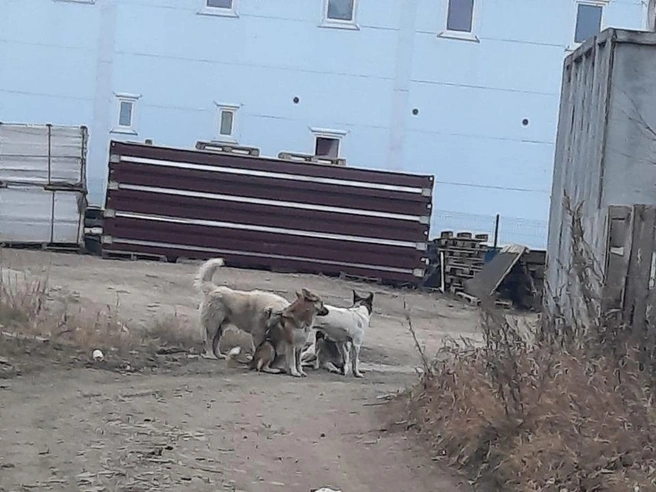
<point>206,426</point>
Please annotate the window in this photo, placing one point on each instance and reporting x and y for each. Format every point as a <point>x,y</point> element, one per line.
<point>460,16</point>
<point>125,113</point>
<point>339,13</point>
<point>226,124</point>
<point>219,4</point>
<point>588,21</point>
<point>327,147</point>
<point>327,143</point>
<point>224,8</point>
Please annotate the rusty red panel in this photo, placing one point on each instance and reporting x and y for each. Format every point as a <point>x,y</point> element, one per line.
<point>262,187</point>
<point>259,212</point>
<point>264,243</point>
<point>148,203</point>
<point>267,164</point>
<point>247,261</point>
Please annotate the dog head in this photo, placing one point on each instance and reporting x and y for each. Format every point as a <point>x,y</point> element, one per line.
<point>366,301</point>
<point>317,303</point>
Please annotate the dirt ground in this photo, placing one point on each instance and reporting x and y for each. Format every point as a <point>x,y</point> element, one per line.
<point>203,425</point>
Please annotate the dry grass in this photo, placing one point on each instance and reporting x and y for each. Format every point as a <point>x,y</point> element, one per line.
<point>569,408</point>
<point>30,311</point>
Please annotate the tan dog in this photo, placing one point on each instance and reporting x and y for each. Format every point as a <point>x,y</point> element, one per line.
<point>222,306</point>
<point>285,335</point>
<point>246,310</point>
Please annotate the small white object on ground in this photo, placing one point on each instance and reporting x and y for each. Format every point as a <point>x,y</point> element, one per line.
<point>98,355</point>
<point>326,489</point>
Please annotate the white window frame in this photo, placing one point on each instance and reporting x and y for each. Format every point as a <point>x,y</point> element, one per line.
<point>122,97</point>
<point>463,36</point>
<point>327,133</point>
<point>220,109</point>
<point>595,3</point>
<point>337,23</point>
<point>219,11</point>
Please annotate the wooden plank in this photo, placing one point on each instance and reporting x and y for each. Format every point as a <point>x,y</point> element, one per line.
<point>490,277</point>
<point>644,224</point>
<point>618,250</point>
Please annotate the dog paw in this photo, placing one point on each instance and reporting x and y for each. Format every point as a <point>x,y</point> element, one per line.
<point>358,374</point>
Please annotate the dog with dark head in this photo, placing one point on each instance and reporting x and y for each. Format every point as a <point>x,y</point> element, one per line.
<point>346,327</point>
<point>285,334</point>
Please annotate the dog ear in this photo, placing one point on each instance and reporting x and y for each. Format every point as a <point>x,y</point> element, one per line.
<point>357,297</point>
<point>370,297</point>
<point>309,296</point>
<point>299,295</point>
<point>268,312</point>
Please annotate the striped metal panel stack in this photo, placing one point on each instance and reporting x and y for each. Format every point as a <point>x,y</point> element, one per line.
<point>267,213</point>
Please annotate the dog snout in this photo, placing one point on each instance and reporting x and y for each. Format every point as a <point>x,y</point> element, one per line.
<point>323,311</point>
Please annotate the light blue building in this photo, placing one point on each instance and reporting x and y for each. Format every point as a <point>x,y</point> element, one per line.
<point>466,90</point>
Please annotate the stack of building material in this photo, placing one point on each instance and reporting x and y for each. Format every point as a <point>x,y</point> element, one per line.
<point>261,212</point>
<point>461,256</point>
<point>42,184</point>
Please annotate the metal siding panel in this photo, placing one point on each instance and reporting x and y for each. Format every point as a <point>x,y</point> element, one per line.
<point>302,239</point>
<point>43,154</point>
<point>273,189</point>
<point>244,261</point>
<point>264,215</point>
<point>267,164</point>
<point>31,215</point>
<point>262,243</point>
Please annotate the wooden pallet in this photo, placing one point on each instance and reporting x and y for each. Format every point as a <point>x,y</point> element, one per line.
<point>476,254</point>
<point>475,301</point>
<point>463,244</point>
<point>127,255</point>
<point>57,247</point>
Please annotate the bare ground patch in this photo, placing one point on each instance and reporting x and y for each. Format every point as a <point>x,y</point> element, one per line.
<point>162,420</point>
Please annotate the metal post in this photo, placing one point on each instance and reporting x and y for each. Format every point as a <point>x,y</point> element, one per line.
<point>496,231</point>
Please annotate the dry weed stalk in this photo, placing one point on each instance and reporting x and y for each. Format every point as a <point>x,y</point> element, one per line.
<point>564,411</point>
<point>28,310</point>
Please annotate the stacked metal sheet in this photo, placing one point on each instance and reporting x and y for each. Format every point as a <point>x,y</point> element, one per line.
<point>270,213</point>
<point>42,184</point>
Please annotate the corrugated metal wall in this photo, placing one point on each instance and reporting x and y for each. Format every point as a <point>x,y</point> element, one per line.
<point>267,213</point>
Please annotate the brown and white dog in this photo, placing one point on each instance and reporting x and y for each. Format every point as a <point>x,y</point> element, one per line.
<point>346,327</point>
<point>285,335</point>
<point>247,310</point>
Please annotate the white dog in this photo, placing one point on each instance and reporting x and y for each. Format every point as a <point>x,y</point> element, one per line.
<point>347,327</point>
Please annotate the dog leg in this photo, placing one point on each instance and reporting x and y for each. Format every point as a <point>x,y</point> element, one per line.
<point>344,349</point>
<point>290,361</point>
<point>268,369</point>
<point>330,367</point>
<point>356,361</point>
<point>212,350</point>
<point>297,360</point>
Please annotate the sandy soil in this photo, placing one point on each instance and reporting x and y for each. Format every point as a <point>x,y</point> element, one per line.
<point>203,425</point>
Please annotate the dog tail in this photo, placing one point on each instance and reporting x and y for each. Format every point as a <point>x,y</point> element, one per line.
<point>203,281</point>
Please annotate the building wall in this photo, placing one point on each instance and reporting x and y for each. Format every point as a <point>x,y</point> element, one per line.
<point>63,62</point>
